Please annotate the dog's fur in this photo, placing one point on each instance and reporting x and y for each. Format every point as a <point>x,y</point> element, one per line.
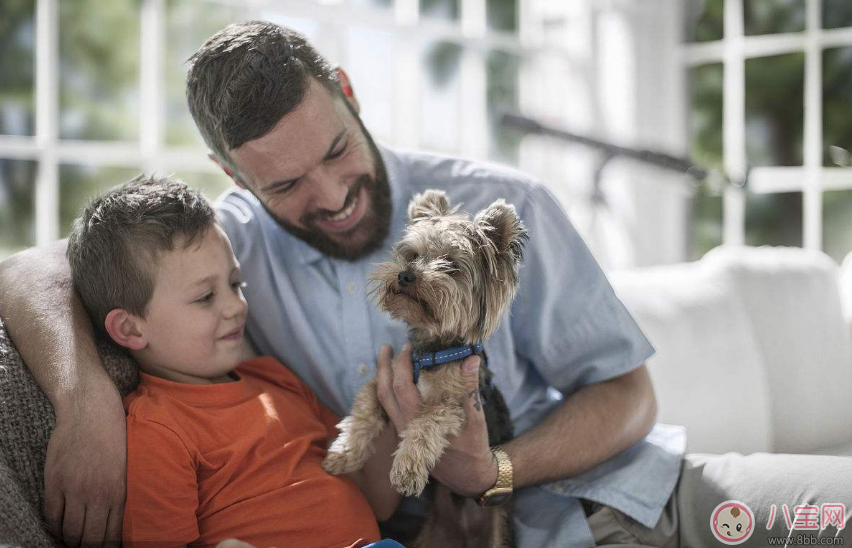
<point>450,279</point>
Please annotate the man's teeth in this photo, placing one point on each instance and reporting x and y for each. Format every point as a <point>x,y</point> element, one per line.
<point>343,215</point>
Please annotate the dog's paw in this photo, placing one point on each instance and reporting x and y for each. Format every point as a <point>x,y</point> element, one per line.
<point>407,477</point>
<point>341,462</point>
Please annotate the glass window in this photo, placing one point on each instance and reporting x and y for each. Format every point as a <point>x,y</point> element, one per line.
<point>370,65</point>
<point>775,88</point>
<point>502,15</point>
<point>188,26</point>
<point>372,3</point>
<point>837,223</point>
<point>773,16</point>
<point>705,147</point>
<point>774,219</point>
<point>705,20</point>
<point>99,69</point>
<point>17,206</point>
<point>502,70</point>
<point>17,63</point>
<point>440,102</point>
<point>79,184</point>
<point>836,104</point>
<point>447,10</point>
<point>211,184</point>
<point>836,13</point>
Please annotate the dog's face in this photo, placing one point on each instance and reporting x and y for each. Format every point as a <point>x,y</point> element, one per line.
<point>452,277</point>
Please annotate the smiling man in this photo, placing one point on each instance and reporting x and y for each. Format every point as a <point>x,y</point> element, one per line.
<point>318,204</point>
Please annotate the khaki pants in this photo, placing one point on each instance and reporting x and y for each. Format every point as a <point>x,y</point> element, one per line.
<point>759,480</point>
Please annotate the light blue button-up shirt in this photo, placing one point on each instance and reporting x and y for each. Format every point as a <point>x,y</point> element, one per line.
<point>565,330</point>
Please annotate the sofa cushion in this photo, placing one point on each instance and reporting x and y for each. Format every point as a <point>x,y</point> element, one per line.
<point>708,372</point>
<point>791,297</point>
<point>845,285</point>
<point>26,421</point>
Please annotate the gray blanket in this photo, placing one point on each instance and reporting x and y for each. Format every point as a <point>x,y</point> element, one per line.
<point>26,421</point>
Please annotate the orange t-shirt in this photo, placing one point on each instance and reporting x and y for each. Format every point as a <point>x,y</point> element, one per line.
<point>240,459</point>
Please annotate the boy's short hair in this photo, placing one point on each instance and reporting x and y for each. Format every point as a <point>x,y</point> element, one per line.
<point>115,245</point>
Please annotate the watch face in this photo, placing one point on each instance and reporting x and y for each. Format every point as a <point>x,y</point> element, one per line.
<point>496,499</point>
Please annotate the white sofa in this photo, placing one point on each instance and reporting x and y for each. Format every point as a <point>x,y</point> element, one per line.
<point>754,349</point>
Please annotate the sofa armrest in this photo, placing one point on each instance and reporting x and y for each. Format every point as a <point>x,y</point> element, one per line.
<point>26,422</point>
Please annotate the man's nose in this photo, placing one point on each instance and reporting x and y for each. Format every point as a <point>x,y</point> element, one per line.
<point>330,190</point>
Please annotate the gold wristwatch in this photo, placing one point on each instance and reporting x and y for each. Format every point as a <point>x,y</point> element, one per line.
<point>502,489</point>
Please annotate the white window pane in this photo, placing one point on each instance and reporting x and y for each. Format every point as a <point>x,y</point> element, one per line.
<point>773,16</point>
<point>370,62</point>
<point>17,206</point>
<point>79,184</point>
<point>188,26</point>
<point>440,96</point>
<point>99,70</point>
<point>17,62</point>
<point>775,90</point>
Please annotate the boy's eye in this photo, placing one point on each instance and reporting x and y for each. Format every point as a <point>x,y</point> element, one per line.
<point>238,285</point>
<point>206,298</point>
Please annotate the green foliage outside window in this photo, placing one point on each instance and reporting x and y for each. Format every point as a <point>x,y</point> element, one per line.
<point>774,124</point>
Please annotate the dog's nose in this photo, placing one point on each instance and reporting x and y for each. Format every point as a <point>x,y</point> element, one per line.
<point>405,278</point>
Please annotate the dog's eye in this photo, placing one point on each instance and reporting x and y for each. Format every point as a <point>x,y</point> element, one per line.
<point>452,267</point>
<point>408,256</point>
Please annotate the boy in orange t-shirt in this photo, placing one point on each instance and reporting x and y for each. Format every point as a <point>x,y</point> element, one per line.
<point>217,447</point>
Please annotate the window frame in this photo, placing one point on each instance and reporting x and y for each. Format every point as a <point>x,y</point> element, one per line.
<point>812,178</point>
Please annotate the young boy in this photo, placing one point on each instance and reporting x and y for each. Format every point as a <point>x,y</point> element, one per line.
<point>217,447</point>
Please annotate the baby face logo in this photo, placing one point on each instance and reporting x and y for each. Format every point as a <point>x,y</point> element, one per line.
<point>732,522</point>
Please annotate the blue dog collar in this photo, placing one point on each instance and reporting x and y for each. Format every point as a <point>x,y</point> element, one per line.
<point>430,359</point>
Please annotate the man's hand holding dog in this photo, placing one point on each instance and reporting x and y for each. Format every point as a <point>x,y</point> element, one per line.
<point>467,467</point>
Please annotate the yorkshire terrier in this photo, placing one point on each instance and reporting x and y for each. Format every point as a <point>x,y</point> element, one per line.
<point>450,279</point>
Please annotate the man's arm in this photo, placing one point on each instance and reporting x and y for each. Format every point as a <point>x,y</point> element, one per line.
<point>593,424</point>
<point>590,426</point>
<point>53,334</point>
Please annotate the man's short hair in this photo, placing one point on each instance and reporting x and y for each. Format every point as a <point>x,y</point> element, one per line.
<point>247,77</point>
<point>115,245</point>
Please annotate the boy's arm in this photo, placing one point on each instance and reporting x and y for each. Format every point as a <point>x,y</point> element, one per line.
<point>374,479</point>
<point>53,334</point>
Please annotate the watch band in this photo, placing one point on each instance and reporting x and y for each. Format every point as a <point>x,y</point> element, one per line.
<point>503,487</point>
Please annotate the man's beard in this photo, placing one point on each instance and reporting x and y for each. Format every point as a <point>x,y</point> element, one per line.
<point>376,220</point>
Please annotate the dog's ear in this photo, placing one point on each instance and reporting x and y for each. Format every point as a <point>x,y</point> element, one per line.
<point>500,223</point>
<point>428,204</point>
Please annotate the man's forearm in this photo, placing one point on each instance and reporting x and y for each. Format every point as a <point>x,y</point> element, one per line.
<point>49,325</point>
<point>592,425</point>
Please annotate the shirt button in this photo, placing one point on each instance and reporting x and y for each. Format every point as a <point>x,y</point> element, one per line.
<point>362,368</point>
<point>351,288</point>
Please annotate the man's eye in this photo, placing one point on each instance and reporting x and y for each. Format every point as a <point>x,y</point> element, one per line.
<point>339,153</point>
<point>284,189</point>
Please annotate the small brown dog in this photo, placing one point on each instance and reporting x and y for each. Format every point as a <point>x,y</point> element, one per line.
<point>450,280</point>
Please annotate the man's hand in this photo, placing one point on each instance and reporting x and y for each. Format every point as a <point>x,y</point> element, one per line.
<point>467,467</point>
<point>85,471</point>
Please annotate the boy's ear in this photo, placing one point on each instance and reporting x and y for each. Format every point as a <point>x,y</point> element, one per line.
<point>228,171</point>
<point>123,329</point>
